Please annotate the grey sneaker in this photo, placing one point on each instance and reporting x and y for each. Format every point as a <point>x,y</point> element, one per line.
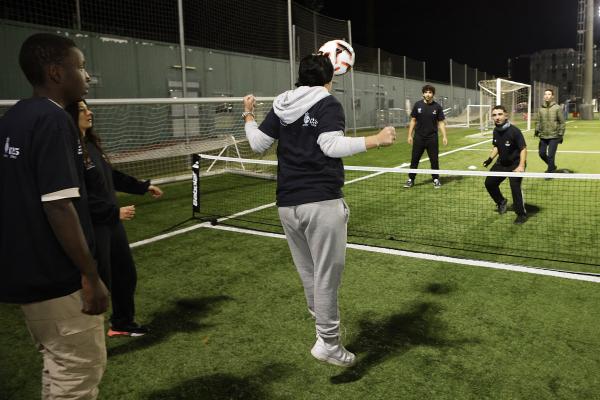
<point>409,183</point>
<point>332,352</point>
<point>437,184</point>
<point>502,207</point>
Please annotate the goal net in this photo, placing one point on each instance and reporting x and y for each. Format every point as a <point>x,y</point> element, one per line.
<point>474,115</point>
<point>155,138</point>
<point>515,96</point>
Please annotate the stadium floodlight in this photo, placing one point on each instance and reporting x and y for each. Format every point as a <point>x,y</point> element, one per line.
<point>515,96</point>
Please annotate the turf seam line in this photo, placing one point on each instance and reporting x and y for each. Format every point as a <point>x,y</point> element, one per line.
<point>587,277</point>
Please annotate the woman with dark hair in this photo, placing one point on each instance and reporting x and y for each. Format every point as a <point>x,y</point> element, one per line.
<point>115,262</point>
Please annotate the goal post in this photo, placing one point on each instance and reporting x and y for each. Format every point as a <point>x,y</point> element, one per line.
<point>515,96</point>
<point>473,115</point>
<point>479,115</point>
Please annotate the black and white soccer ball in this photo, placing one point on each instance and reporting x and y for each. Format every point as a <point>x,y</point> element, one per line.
<point>341,55</point>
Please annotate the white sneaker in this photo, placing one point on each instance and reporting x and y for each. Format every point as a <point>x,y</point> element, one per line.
<point>333,352</point>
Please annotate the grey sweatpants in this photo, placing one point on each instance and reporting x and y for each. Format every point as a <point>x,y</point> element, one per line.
<point>317,233</point>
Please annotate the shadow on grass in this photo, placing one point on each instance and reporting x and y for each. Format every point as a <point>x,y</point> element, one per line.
<point>530,208</point>
<point>237,187</point>
<point>445,179</point>
<point>439,288</point>
<point>225,386</point>
<point>179,318</point>
<point>396,335</point>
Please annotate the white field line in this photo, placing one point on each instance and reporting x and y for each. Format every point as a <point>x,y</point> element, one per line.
<point>484,264</point>
<point>264,206</point>
<point>194,227</point>
<point>558,151</point>
<point>404,165</point>
<point>423,256</point>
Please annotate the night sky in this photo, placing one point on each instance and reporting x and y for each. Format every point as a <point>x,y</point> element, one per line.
<point>482,34</point>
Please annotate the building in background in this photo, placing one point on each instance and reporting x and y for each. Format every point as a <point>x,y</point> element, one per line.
<point>559,67</point>
<point>519,68</point>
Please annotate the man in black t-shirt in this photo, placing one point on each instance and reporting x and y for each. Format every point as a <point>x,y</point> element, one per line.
<point>309,124</point>
<point>426,117</point>
<point>511,149</point>
<point>45,228</point>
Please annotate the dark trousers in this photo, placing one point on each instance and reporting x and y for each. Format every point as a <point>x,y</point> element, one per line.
<point>492,184</point>
<point>117,270</point>
<point>102,235</point>
<point>421,144</point>
<point>547,150</point>
<point>123,278</point>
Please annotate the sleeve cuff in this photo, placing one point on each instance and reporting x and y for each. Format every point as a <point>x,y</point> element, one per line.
<point>61,194</point>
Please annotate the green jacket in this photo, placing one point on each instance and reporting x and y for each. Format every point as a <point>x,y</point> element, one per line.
<point>550,123</point>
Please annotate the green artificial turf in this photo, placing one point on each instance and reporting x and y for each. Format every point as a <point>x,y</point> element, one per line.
<point>229,320</point>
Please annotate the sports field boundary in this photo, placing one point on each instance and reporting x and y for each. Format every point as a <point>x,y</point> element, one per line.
<point>589,277</point>
<point>586,277</point>
<point>264,206</point>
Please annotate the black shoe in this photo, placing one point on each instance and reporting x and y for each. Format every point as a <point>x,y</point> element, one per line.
<point>409,183</point>
<point>132,329</point>
<point>521,219</point>
<point>437,184</point>
<point>502,206</point>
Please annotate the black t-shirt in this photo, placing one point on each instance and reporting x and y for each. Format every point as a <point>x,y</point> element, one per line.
<point>427,116</point>
<point>509,143</point>
<point>41,155</point>
<point>304,173</point>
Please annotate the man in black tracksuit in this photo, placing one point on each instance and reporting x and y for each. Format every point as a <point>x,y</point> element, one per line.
<point>511,149</point>
<point>426,116</point>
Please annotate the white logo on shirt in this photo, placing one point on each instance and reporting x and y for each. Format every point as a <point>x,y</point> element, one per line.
<point>79,148</point>
<point>310,121</point>
<point>434,112</point>
<point>507,143</point>
<point>419,110</point>
<point>10,152</point>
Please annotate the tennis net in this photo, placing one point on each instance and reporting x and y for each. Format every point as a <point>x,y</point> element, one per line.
<point>460,219</point>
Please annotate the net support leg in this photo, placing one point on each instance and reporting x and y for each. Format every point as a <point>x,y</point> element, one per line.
<point>237,150</point>
<point>214,161</point>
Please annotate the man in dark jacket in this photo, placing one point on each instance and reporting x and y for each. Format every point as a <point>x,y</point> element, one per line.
<point>511,149</point>
<point>550,128</point>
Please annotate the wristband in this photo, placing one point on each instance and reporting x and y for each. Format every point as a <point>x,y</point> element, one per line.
<point>246,113</point>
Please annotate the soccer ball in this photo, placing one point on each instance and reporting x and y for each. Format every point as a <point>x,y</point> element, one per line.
<point>341,55</point>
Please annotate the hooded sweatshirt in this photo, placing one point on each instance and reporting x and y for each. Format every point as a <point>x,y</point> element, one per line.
<point>309,124</point>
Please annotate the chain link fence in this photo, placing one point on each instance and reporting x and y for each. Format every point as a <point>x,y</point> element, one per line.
<point>232,48</point>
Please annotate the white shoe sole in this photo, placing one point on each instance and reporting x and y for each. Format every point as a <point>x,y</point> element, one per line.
<point>332,360</point>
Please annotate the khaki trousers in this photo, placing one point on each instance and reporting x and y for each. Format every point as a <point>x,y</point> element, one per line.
<point>72,344</point>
